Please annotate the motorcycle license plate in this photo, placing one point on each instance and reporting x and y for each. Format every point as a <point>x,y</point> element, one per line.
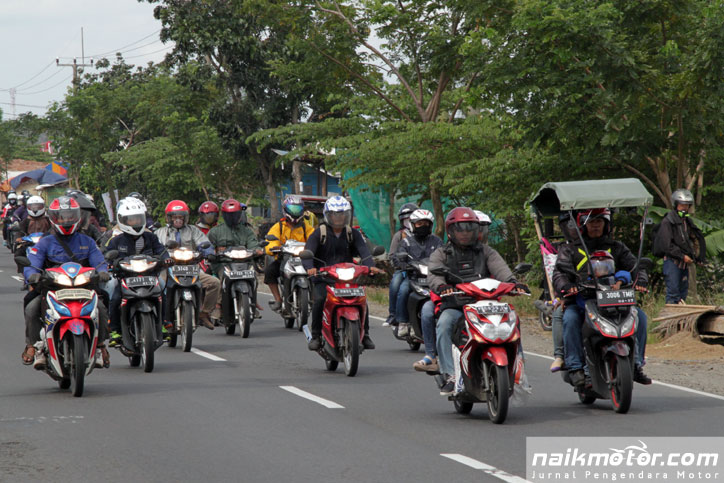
<point>242,274</point>
<point>492,309</point>
<point>185,269</point>
<point>422,281</point>
<point>349,292</point>
<point>140,281</point>
<point>615,298</point>
<point>73,294</point>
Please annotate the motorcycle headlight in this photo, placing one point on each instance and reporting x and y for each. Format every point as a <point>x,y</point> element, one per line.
<point>604,325</point>
<point>345,273</point>
<point>630,323</point>
<point>82,279</point>
<point>62,279</point>
<point>423,270</point>
<point>137,265</point>
<point>182,255</point>
<point>501,331</point>
<point>237,253</point>
<point>422,291</point>
<point>294,250</point>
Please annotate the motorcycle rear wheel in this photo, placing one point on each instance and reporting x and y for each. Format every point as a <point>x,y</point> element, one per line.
<point>78,349</point>
<point>462,407</point>
<point>350,350</point>
<point>64,383</point>
<point>331,365</point>
<point>414,346</point>
<point>499,384</point>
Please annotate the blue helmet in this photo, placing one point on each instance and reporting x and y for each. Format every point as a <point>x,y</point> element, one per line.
<point>337,212</point>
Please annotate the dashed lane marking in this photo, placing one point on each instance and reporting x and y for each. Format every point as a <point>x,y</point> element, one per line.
<point>207,355</point>
<point>306,395</point>
<point>479,465</point>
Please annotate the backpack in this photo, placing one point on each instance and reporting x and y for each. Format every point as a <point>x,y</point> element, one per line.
<point>323,234</point>
<point>656,248</point>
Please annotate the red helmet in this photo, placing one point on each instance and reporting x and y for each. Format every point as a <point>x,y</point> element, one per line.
<point>64,215</point>
<point>586,216</point>
<point>233,212</point>
<point>209,213</point>
<point>177,207</point>
<point>462,226</point>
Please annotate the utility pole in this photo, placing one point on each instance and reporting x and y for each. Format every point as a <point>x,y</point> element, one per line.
<point>12,100</point>
<point>75,63</point>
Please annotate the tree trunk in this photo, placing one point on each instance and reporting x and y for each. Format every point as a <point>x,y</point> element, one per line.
<point>391,212</point>
<point>437,210</point>
<point>297,177</point>
<point>267,175</point>
<point>515,231</point>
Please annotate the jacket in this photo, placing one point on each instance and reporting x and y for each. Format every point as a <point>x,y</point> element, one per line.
<point>678,236</point>
<point>571,267</point>
<point>188,236</point>
<point>395,245</point>
<point>223,236</point>
<point>284,231</point>
<point>336,249</point>
<point>487,263</point>
<point>126,245</point>
<point>41,224</point>
<point>20,213</point>
<point>48,252</point>
<point>417,249</point>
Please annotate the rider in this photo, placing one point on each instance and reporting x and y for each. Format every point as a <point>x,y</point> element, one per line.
<point>21,212</point>
<point>414,248</point>
<point>36,221</point>
<point>292,227</point>
<point>149,219</point>
<point>87,213</point>
<point>8,211</point>
<point>467,259</point>
<point>399,275</point>
<point>568,230</point>
<point>339,246</point>
<point>571,269</point>
<point>234,232</point>
<point>134,239</point>
<point>65,244</point>
<point>178,229</point>
<point>208,216</point>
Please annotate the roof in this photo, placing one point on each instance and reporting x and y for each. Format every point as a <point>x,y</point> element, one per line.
<point>555,197</point>
<point>23,165</point>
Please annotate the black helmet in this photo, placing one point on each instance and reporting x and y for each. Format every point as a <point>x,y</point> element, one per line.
<point>406,210</point>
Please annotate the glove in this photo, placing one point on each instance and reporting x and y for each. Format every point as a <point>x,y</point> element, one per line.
<point>168,262</point>
<point>103,277</point>
<point>623,276</point>
<point>522,286</point>
<point>34,278</point>
<point>444,287</point>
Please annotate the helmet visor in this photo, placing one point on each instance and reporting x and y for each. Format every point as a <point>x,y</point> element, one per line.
<point>338,219</point>
<point>36,207</point>
<point>603,267</point>
<point>136,221</point>
<point>232,218</point>
<point>65,217</point>
<point>464,233</point>
<point>209,218</point>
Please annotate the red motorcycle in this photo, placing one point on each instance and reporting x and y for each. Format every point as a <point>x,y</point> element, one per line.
<point>488,345</point>
<point>345,311</point>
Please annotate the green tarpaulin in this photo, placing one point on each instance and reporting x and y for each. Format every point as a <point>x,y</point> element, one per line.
<point>553,198</point>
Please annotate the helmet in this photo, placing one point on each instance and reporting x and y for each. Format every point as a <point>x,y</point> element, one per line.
<point>462,226</point>
<point>135,194</point>
<point>602,263</point>
<point>425,219</point>
<point>233,212</point>
<point>83,201</point>
<point>36,206</point>
<point>682,197</point>
<point>567,225</point>
<point>209,213</point>
<point>64,215</point>
<point>12,198</point>
<point>337,212</point>
<point>25,194</point>
<point>293,208</point>
<point>406,210</point>
<point>584,217</point>
<point>484,221</point>
<point>176,207</point>
<point>421,215</point>
<point>131,216</point>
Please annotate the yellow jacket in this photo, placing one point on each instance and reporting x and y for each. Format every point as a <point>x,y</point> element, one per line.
<point>284,231</point>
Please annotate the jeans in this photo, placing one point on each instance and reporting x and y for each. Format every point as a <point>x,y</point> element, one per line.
<point>319,296</point>
<point>395,282</point>
<point>677,282</point>
<point>401,315</point>
<point>557,326</point>
<point>572,323</point>
<point>427,314</point>
<point>445,327</point>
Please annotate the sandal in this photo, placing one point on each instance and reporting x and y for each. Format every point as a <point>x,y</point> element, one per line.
<point>28,355</point>
<point>426,364</point>
<point>106,356</point>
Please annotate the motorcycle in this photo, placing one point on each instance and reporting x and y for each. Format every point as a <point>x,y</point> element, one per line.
<point>345,311</point>
<point>140,307</point>
<point>27,241</point>
<point>70,335</point>
<point>419,294</point>
<point>486,346</point>
<point>238,288</point>
<point>184,294</point>
<point>294,284</point>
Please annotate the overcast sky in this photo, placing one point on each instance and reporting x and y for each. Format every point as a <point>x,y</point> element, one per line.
<point>34,32</point>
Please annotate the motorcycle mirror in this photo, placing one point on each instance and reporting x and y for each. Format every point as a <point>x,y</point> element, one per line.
<point>22,261</point>
<point>171,244</point>
<point>440,271</point>
<point>157,225</point>
<point>111,255</point>
<point>378,250</point>
<point>306,255</point>
<point>264,243</point>
<point>522,268</point>
<point>271,238</point>
<point>205,245</point>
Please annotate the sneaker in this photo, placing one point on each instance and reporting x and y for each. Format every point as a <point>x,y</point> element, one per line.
<point>115,339</point>
<point>275,305</point>
<point>641,377</point>
<point>388,321</point>
<point>448,388</point>
<point>315,344</point>
<point>165,332</point>
<point>403,329</point>
<point>578,378</point>
<point>206,320</point>
<point>557,364</point>
<point>40,361</point>
<point>367,342</point>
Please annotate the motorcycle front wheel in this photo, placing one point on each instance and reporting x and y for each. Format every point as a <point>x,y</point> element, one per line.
<point>243,308</point>
<point>187,331</point>
<point>350,351</point>
<point>78,348</point>
<point>621,378</point>
<point>147,341</point>
<point>499,384</point>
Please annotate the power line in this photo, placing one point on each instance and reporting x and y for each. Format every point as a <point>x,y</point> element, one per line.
<point>49,88</point>
<point>119,49</point>
<point>41,82</point>
<point>150,53</point>
<point>23,105</point>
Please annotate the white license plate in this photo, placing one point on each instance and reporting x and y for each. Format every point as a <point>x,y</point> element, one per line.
<point>242,274</point>
<point>349,292</point>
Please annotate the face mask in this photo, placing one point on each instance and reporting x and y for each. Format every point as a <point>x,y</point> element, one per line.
<point>683,213</point>
<point>422,231</point>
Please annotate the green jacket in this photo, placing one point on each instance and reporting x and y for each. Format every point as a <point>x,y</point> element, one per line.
<point>223,236</point>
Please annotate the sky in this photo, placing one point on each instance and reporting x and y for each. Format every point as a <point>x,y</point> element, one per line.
<point>34,32</point>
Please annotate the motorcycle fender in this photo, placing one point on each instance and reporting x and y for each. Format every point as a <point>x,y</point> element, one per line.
<point>349,313</point>
<point>496,354</point>
<point>145,306</point>
<point>619,348</point>
<point>75,326</point>
<point>242,287</point>
<point>300,282</point>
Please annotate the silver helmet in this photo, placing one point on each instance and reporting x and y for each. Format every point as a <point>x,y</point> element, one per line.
<point>682,197</point>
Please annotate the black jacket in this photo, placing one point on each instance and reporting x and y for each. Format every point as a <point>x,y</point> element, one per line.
<point>126,245</point>
<point>679,236</point>
<point>417,249</point>
<point>337,249</point>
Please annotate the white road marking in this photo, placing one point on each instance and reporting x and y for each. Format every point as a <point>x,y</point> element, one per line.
<point>306,395</point>
<point>43,419</point>
<point>207,355</point>
<point>666,384</point>
<point>18,278</point>
<point>479,465</point>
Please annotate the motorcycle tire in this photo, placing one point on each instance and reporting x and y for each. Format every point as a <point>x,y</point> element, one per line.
<point>414,346</point>
<point>586,399</point>
<point>231,329</point>
<point>147,341</point>
<point>331,365</point>
<point>462,407</point>
<point>172,340</point>
<point>243,307</point>
<point>499,384</point>
<point>350,350</point>
<point>621,377</point>
<point>187,331</point>
<point>78,349</point>
<point>289,322</point>
<point>64,383</point>
<point>546,322</point>
<point>302,308</point>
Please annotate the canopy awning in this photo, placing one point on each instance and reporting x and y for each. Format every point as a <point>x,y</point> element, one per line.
<point>553,198</point>
<point>42,176</point>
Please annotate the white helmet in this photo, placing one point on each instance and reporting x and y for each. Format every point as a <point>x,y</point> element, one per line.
<point>337,212</point>
<point>12,196</point>
<point>483,219</point>
<point>420,215</point>
<point>36,206</point>
<point>131,216</point>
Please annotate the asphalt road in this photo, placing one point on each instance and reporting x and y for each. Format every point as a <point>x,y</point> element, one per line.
<point>198,419</point>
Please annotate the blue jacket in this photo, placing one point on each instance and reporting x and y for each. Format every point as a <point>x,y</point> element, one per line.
<point>20,213</point>
<point>126,245</point>
<point>49,253</point>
